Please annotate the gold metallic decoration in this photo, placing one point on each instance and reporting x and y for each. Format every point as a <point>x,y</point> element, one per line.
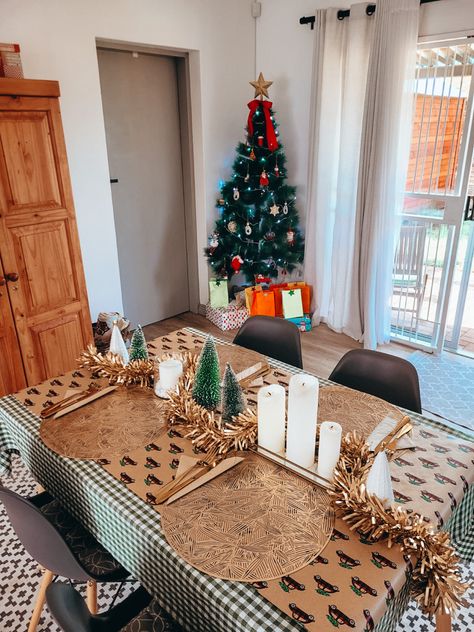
<point>261,86</point>
<point>255,522</point>
<point>436,583</point>
<point>205,428</point>
<point>274,209</point>
<point>125,420</point>
<point>111,366</point>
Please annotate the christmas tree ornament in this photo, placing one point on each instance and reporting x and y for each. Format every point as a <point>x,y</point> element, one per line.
<point>233,402</point>
<point>264,179</point>
<point>117,344</point>
<point>220,202</point>
<point>274,209</point>
<point>261,86</point>
<point>276,170</point>
<point>236,193</point>
<point>379,482</point>
<point>290,237</point>
<point>285,208</point>
<point>248,229</point>
<point>236,263</point>
<point>207,382</point>
<point>260,141</point>
<point>252,155</point>
<point>232,226</point>
<point>138,348</point>
<point>269,236</point>
<point>213,243</point>
<point>247,177</point>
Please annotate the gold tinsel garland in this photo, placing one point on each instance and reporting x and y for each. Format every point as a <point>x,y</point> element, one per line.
<point>436,584</point>
<point>111,366</point>
<point>205,427</point>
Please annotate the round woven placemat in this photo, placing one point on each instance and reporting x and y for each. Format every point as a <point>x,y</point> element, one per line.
<point>253,523</point>
<point>354,410</point>
<point>118,423</point>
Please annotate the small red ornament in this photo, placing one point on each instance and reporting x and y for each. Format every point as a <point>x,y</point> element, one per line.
<point>260,141</point>
<point>269,236</point>
<point>276,171</point>
<point>252,155</point>
<point>290,236</point>
<point>236,263</point>
<point>264,179</point>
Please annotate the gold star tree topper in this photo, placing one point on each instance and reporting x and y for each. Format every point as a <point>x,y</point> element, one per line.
<point>261,86</point>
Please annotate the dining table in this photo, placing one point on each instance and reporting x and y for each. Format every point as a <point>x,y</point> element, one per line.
<point>370,583</point>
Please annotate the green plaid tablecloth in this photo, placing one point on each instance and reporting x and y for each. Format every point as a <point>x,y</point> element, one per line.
<point>130,529</point>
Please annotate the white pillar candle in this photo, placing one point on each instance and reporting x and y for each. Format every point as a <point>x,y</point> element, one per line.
<point>303,395</point>
<point>170,371</point>
<point>330,434</point>
<point>271,418</point>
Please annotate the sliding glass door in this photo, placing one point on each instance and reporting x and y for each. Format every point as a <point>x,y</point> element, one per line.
<point>436,191</point>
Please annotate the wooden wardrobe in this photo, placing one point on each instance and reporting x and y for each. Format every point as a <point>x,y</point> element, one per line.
<point>44,312</point>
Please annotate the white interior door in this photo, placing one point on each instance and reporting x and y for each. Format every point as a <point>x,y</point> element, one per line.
<point>141,112</point>
<point>436,190</point>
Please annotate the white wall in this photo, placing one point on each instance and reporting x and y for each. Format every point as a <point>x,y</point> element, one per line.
<point>57,39</point>
<point>284,55</point>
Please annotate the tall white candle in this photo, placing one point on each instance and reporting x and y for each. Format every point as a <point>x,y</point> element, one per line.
<point>329,448</point>
<point>170,371</point>
<point>303,393</point>
<point>271,418</point>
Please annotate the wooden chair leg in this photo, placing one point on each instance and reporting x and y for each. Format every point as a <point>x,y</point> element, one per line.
<point>443,622</point>
<point>92,596</point>
<point>40,599</point>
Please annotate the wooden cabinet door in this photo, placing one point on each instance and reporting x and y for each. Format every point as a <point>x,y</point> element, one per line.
<point>12,375</point>
<point>38,238</point>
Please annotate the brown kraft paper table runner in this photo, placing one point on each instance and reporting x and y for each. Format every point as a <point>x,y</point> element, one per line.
<point>349,583</point>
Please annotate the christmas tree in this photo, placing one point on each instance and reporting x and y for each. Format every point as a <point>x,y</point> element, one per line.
<point>257,228</point>
<point>233,401</point>
<point>138,348</point>
<point>207,386</point>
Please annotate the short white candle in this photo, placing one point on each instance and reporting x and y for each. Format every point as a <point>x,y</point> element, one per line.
<point>329,448</point>
<point>303,395</point>
<point>170,371</point>
<point>271,418</point>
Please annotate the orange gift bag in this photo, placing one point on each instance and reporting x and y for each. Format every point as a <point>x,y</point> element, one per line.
<point>263,304</point>
<point>305,294</point>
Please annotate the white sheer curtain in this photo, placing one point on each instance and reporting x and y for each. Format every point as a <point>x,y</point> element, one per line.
<point>340,66</point>
<point>383,167</point>
<point>354,82</point>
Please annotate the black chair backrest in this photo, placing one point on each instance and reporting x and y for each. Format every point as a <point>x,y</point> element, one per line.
<point>386,376</point>
<point>72,614</point>
<point>273,337</point>
<point>40,538</point>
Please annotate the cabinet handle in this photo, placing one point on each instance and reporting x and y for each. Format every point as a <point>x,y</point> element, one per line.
<point>11,276</point>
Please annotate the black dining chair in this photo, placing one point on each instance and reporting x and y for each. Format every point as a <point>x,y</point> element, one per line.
<point>273,337</point>
<point>60,545</point>
<point>386,376</point>
<point>136,613</point>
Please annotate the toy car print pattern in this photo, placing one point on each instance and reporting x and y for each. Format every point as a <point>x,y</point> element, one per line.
<point>323,594</point>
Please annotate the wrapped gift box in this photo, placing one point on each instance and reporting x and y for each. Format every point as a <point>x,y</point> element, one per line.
<point>10,61</point>
<point>303,322</point>
<point>230,317</point>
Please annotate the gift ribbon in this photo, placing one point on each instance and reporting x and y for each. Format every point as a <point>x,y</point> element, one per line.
<point>270,130</point>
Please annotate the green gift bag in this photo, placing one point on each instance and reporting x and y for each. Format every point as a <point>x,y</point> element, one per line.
<point>218,293</point>
<point>292,303</point>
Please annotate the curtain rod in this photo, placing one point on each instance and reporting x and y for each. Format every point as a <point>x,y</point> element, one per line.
<point>345,13</point>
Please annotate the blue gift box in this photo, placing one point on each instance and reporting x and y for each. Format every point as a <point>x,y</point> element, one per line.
<point>303,322</point>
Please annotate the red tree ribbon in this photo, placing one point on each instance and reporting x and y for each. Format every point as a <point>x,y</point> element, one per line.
<point>270,130</point>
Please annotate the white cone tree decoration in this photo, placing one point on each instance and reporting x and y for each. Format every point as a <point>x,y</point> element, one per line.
<point>379,482</point>
<point>117,344</point>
